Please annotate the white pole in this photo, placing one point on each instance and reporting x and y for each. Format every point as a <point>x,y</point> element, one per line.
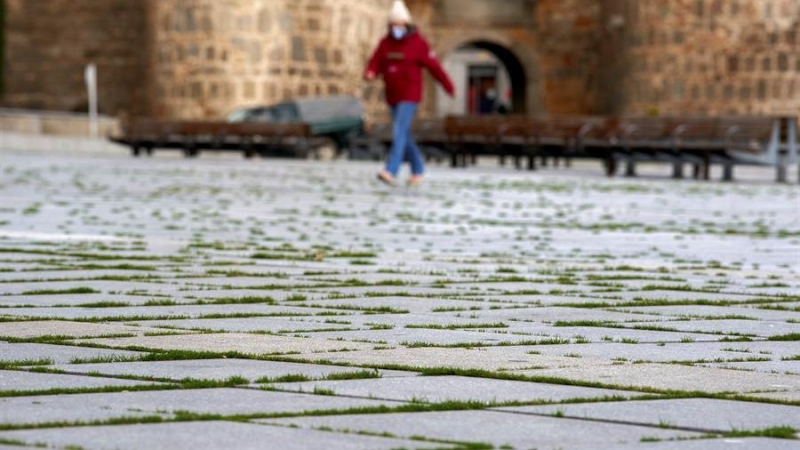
<point>91,87</point>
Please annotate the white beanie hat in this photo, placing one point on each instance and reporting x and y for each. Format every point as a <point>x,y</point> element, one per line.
<point>400,12</point>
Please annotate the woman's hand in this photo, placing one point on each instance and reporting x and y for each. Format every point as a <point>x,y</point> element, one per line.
<point>370,75</point>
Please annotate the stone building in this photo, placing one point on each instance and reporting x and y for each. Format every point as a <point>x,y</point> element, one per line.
<point>203,58</point>
<point>712,56</point>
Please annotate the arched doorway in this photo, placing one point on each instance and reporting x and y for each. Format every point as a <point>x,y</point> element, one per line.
<point>489,78</point>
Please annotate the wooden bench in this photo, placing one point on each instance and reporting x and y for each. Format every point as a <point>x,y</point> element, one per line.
<point>191,137</point>
<point>700,141</point>
<point>472,136</point>
<point>679,140</point>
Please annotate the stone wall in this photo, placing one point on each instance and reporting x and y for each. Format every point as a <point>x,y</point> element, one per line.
<point>568,44</point>
<point>211,56</point>
<point>712,56</point>
<point>554,41</point>
<point>203,58</point>
<point>50,42</point>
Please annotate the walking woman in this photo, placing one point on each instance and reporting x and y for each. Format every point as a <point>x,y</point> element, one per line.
<point>399,60</point>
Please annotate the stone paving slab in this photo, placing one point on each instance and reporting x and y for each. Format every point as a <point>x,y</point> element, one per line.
<point>428,336</point>
<point>32,381</point>
<point>135,313</point>
<point>414,305</point>
<point>438,389</point>
<point>761,328</point>
<point>675,377</point>
<point>251,324</point>
<point>490,288</point>
<point>784,367</point>
<point>58,354</point>
<point>383,290</point>
<point>372,277</point>
<point>207,435</point>
<point>543,300</point>
<point>246,283</point>
<point>716,311</point>
<point>705,414</point>
<point>43,301</point>
<point>403,320</point>
<point>783,396</point>
<point>100,285</point>
<point>69,274</point>
<point>503,358</point>
<point>233,342</point>
<point>218,369</point>
<point>225,401</point>
<point>714,444</point>
<point>555,314</point>
<point>489,238</point>
<point>686,295</point>
<point>496,428</point>
<point>33,329</point>
<point>211,295</point>
<point>670,352</point>
<point>614,334</point>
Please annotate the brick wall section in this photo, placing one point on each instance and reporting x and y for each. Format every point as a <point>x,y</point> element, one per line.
<point>211,56</point>
<point>713,56</point>
<point>49,43</point>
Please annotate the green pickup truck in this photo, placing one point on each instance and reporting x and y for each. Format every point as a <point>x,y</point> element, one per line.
<point>338,120</point>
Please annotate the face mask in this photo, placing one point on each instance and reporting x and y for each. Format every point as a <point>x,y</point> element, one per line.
<point>399,32</point>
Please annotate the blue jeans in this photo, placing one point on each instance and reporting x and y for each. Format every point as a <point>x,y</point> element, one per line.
<point>403,146</point>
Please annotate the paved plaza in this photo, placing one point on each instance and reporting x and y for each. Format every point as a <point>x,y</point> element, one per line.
<point>166,303</point>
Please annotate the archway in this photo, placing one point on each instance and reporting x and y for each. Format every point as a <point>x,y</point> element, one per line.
<point>489,78</point>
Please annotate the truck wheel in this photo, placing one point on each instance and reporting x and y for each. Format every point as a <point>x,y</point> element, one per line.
<point>327,151</point>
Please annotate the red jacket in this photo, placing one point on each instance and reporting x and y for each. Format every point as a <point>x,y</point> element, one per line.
<point>400,63</point>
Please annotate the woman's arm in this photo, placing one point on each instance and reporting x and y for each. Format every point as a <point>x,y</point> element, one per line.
<point>374,64</point>
<point>429,61</point>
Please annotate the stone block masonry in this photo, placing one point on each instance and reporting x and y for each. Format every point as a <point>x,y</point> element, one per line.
<point>48,43</point>
<point>211,56</point>
<point>201,59</point>
<point>715,57</point>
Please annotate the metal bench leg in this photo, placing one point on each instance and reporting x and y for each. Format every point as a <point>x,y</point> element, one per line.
<point>630,169</point>
<point>727,172</point>
<point>454,159</point>
<point>502,160</point>
<point>696,171</point>
<point>568,163</point>
<point>781,172</point>
<point>531,163</point>
<point>611,166</point>
<point>544,161</point>
<point>677,170</point>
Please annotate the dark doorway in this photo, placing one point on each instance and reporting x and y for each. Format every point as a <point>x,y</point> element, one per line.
<point>482,89</point>
<point>489,79</point>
